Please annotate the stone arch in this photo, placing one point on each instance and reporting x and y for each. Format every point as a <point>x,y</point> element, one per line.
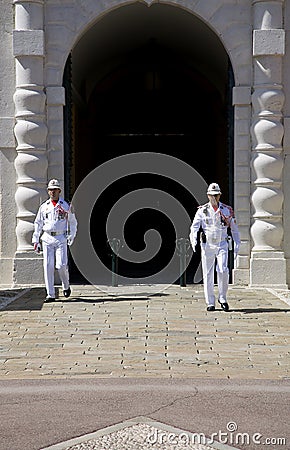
<point>234,33</point>
<point>231,22</point>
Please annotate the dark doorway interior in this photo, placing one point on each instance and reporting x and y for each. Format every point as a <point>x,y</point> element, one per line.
<point>153,100</point>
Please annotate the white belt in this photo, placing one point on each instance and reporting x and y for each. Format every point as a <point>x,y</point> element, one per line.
<point>55,233</point>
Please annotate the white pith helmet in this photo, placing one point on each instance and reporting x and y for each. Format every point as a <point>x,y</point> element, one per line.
<point>53,184</point>
<point>213,189</point>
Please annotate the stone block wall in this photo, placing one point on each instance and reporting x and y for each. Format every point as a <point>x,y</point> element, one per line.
<point>36,39</point>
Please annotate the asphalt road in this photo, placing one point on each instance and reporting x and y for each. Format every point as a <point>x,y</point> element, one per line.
<point>39,413</point>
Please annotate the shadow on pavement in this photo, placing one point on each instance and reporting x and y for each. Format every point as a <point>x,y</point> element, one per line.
<point>34,300</point>
<point>31,301</point>
<point>258,310</point>
<point>102,300</point>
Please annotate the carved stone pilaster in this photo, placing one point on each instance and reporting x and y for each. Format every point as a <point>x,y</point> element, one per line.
<point>267,259</point>
<point>30,129</point>
<point>267,165</point>
<point>31,161</point>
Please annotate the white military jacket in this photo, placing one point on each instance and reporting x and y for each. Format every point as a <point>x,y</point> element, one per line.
<point>58,219</point>
<point>214,224</point>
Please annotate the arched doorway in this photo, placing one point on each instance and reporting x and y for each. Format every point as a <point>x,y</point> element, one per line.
<point>148,79</point>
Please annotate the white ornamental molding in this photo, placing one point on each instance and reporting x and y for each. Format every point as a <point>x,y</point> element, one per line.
<point>31,161</point>
<point>30,129</point>
<point>267,128</point>
<point>267,234</point>
<point>267,166</point>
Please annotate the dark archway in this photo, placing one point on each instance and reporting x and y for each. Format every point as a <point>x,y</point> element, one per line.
<point>153,98</point>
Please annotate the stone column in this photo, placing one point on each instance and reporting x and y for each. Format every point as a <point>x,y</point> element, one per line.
<point>30,130</point>
<point>268,265</point>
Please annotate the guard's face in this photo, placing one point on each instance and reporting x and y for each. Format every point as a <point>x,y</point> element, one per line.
<point>214,199</point>
<point>54,194</point>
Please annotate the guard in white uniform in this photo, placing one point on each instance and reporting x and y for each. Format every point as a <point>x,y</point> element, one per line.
<point>213,220</point>
<point>55,226</point>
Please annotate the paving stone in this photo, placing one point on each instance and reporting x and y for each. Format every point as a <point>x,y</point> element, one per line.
<point>167,335</point>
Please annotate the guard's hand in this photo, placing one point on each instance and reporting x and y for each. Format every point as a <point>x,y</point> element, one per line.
<point>236,249</point>
<point>37,247</point>
<point>70,240</point>
<point>193,246</point>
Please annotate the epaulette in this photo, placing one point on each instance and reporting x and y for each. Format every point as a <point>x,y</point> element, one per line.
<point>223,205</point>
<point>63,200</point>
<point>205,208</point>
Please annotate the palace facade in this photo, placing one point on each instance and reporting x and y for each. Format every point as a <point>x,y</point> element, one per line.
<point>204,81</point>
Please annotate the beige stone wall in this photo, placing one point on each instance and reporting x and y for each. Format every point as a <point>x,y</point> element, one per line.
<point>286,143</point>
<point>40,38</point>
<point>7,146</point>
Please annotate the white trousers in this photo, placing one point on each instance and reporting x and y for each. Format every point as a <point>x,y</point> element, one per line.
<point>212,256</point>
<point>55,256</point>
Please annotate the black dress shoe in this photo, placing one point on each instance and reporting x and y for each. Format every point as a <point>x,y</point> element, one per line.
<point>67,292</point>
<point>225,306</point>
<point>210,308</point>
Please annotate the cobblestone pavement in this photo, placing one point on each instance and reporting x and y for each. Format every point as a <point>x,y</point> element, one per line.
<point>169,334</point>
